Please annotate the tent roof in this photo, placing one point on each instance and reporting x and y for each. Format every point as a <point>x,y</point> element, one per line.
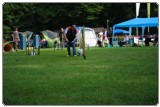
<point>139,22</point>
<point>50,34</point>
<point>120,31</point>
<point>79,28</point>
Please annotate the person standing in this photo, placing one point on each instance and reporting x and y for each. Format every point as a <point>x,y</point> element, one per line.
<point>105,32</point>
<point>71,37</point>
<point>105,38</point>
<point>109,34</point>
<point>61,38</point>
<point>16,38</point>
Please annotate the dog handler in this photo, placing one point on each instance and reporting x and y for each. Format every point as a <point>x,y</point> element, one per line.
<point>71,37</point>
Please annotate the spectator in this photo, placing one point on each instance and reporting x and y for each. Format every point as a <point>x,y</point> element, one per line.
<point>155,42</point>
<point>99,40</point>
<point>156,38</point>
<point>109,34</point>
<point>104,38</point>
<point>105,32</point>
<point>61,38</point>
<point>125,40</point>
<point>147,39</point>
<point>44,43</point>
<point>71,37</point>
<point>16,39</point>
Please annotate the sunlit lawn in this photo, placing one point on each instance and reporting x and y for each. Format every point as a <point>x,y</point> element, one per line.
<point>109,76</point>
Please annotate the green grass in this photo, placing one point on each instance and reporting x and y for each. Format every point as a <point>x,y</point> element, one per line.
<point>109,76</point>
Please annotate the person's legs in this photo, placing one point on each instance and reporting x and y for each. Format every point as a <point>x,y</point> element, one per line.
<point>45,44</point>
<point>74,48</point>
<point>54,45</point>
<point>102,43</point>
<point>13,44</point>
<point>61,44</point>
<point>99,43</point>
<point>120,43</point>
<point>68,48</point>
<point>16,45</point>
<point>123,43</point>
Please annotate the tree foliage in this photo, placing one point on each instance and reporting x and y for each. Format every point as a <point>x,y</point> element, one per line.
<point>52,16</point>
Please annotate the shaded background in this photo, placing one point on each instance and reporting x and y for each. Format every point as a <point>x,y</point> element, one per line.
<point>53,16</point>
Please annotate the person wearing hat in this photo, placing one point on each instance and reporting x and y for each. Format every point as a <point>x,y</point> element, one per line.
<point>71,37</point>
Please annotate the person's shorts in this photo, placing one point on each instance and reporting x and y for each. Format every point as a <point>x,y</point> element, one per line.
<point>16,40</point>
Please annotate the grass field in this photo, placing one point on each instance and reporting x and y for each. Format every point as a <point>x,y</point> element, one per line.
<point>109,76</point>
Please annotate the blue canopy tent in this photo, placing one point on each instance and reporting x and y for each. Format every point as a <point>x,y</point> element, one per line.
<point>120,31</point>
<point>137,22</point>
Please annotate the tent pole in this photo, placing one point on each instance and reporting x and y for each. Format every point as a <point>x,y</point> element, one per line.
<point>148,29</point>
<point>143,28</point>
<point>113,35</point>
<point>137,31</point>
<point>130,31</point>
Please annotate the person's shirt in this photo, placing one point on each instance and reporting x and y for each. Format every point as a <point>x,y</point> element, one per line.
<point>99,38</point>
<point>15,34</point>
<point>71,34</point>
<point>105,33</point>
<point>125,39</point>
<point>60,35</point>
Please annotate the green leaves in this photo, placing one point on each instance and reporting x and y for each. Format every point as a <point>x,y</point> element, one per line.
<point>52,16</point>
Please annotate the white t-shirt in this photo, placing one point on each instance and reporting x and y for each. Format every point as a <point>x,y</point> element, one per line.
<point>126,39</point>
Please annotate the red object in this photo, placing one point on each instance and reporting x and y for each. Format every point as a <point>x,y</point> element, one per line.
<point>69,28</point>
<point>103,37</point>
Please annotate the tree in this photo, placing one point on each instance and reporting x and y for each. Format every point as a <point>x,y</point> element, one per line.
<point>53,16</point>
